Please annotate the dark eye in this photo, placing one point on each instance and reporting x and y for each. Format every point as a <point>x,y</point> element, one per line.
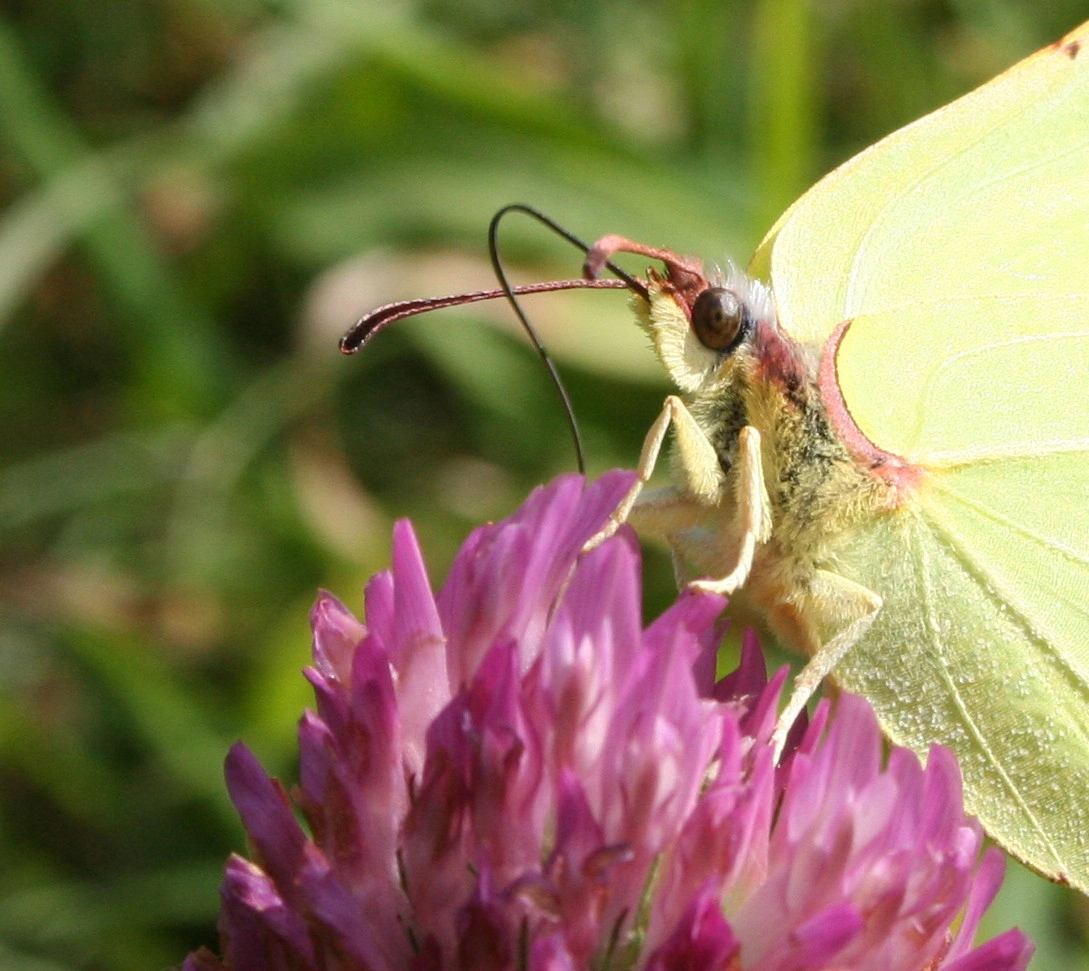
<point>719,319</point>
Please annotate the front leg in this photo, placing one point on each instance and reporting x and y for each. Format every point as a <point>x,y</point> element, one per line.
<point>673,511</point>
<point>753,513</point>
<point>704,479</point>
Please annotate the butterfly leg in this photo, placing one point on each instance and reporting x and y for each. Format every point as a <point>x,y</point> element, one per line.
<point>664,510</point>
<point>753,514</point>
<point>830,594</point>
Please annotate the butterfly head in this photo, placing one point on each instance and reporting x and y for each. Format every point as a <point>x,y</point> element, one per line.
<point>697,321</point>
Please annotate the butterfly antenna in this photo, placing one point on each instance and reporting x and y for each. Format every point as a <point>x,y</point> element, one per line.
<point>501,275</point>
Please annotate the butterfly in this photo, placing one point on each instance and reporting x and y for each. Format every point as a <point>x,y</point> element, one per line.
<point>882,450</point>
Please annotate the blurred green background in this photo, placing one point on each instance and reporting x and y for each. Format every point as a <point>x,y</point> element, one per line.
<point>198,198</point>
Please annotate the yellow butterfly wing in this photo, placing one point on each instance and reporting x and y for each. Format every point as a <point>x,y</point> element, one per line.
<point>958,249</point>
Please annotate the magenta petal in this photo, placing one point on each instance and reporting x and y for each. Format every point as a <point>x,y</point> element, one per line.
<point>1010,951</point>
<point>817,942</point>
<point>352,788</point>
<point>203,960</point>
<point>378,600</point>
<point>417,645</point>
<point>984,888</point>
<point>260,929</point>
<point>478,803</point>
<point>709,636</point>
<point>486,939</point>
<point>336,635</point>
<point>661,740</point>
<point>504,582</point>
<point>400,607</point>
<point>750,677</point>
<point>589,655</point>
<point>702,941</point>
<point>851,754</point>
<point>361,929</point>
<point>266,813</point>
<point>505,768</point>
<point>758,718</point>
<point>373,750</point>
<point>548,953</point>
<point>580,870</point>
<point>609,575</point>
<point>697,614</point>
<point>723,845</point>
<point>942,802</point>
<point>435,849</point>
<point>428,956</point>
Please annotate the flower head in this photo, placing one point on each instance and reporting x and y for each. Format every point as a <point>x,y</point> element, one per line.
<point>516,774</point>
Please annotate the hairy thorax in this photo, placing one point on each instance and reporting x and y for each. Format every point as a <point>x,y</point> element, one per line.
<point>818,494</point>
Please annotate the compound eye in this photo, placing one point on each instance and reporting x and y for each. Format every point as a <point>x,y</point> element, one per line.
<point>719,319</point>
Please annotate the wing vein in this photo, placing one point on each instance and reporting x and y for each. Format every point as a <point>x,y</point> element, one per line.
<point>934,628</point>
